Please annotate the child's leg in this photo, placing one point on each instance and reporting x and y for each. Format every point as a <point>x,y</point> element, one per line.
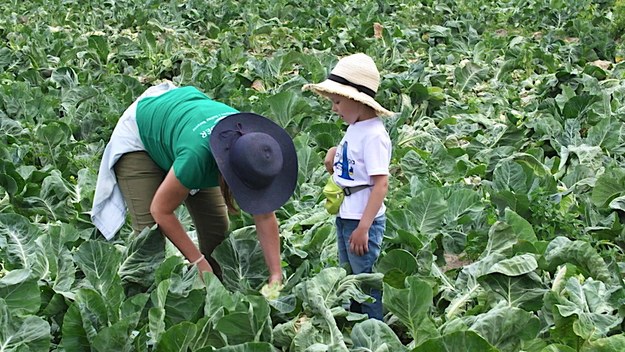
<point>376,234</point>
<point>364,263</point>
<point>344,228</point>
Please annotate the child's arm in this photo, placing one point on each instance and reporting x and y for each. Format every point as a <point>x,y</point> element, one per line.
<point>359,239</point>
<point>329,160</point>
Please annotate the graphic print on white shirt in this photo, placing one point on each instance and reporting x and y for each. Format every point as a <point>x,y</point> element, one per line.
<point>344,164</point>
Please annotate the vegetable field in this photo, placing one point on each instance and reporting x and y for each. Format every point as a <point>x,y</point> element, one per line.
<point>506,205</point>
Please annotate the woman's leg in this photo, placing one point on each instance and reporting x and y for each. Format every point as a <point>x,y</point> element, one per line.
<point>138,178</point>
<point>210,216</point>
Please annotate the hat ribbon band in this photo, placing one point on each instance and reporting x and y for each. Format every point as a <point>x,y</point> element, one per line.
<point>360,88</point>
<point>232,135</point>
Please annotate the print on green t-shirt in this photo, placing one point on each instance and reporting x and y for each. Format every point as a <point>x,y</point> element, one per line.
<point>175,126</point>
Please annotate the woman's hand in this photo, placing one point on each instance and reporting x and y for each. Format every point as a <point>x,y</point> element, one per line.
<point>271,291</point>
<point>203,266</point>
<point>275,278</point>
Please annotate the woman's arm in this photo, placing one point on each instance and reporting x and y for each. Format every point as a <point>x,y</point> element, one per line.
<point>169,195</point>
<point>267,231</point>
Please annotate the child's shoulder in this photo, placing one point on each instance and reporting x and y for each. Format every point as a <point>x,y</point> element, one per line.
<point>367,133</point>
<point>372,123</point>
<point>373,126</point>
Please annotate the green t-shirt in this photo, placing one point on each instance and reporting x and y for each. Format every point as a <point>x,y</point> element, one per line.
<point>175,126</point>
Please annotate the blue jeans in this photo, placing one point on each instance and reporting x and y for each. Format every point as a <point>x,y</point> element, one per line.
<point>364,263</point>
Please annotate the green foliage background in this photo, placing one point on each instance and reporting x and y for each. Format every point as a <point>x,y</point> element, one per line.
<point>507,198</point>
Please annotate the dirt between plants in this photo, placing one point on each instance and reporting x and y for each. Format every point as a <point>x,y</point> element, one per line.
<point>454,261</point>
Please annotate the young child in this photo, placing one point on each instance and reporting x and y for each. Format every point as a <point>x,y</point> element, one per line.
<point>361,159</point>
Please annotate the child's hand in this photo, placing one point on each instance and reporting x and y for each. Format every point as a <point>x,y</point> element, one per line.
<point>329,160</point>
<point>359,241</point>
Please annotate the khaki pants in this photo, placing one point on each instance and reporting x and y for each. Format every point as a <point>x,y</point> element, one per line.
<point>139,177</point>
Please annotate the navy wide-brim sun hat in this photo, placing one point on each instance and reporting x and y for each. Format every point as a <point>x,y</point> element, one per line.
<point>257,159</point>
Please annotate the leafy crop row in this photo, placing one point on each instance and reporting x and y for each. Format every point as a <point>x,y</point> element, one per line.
<point>506,204</point>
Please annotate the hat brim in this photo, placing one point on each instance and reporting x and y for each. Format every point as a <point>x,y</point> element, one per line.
<point>332,87</point>
<point>255,201</point>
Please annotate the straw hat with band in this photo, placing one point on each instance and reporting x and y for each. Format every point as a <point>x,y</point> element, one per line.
<point>257,159</point>
<point>355,77</point>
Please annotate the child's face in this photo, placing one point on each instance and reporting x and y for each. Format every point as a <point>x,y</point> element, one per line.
<point>349,110</point>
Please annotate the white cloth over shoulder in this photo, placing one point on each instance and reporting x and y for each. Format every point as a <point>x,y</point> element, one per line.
<point>108,213</point>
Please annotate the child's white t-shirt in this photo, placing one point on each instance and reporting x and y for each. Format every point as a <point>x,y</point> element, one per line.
<point>364,151</point>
